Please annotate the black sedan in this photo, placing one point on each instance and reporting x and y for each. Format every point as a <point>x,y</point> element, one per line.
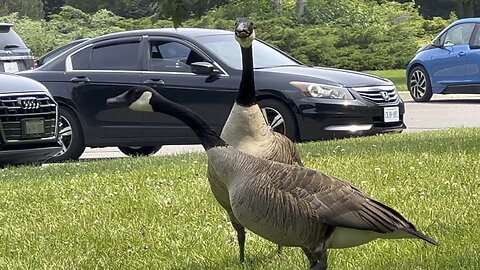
<point>201,68</point>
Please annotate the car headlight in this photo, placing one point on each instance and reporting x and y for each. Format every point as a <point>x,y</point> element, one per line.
<point>323,90</point>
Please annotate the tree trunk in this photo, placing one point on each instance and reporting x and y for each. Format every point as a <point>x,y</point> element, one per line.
<point>277,5</point>
<point>300,8</point>
<point>465,8</point>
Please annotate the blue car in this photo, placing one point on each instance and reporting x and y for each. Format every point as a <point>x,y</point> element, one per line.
<point>449,65</point>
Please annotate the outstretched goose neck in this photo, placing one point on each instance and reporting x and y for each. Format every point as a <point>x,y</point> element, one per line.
<point>246,94</point>
<point>208,137</point>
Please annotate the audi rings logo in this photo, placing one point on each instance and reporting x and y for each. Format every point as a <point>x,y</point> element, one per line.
<point>385,95</point>
<point>28,103</point>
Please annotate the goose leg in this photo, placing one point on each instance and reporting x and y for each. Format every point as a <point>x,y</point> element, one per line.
<point>321,256</point>
<point>311,258</point>
<point>240,237</point>
<point>279,250</point>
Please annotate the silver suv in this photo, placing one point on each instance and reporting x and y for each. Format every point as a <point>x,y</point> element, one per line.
<point>14,54</point>
<point>28,121</point>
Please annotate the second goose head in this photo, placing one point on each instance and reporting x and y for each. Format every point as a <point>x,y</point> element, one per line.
<point>137,99</point>
<point>146,99</point>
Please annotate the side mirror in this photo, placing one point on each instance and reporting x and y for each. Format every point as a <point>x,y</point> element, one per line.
<point>437,43</point>
<point>203,68</point>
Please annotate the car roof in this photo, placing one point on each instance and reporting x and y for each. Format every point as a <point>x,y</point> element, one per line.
<point>173,32</point>
<point>184,33</point>
<point>467,20</point>
<point>6,24</point>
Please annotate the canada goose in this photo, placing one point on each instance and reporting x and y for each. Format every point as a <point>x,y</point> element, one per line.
<point>286,204</point>
<point>246,129</point>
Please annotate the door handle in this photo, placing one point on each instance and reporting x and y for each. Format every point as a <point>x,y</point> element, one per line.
<point>80,79</point>
<point>462,53</point>
<point>154,82</point>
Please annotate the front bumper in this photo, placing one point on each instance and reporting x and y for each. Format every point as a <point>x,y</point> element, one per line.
<point>28,155</point>
<point>327,119</point>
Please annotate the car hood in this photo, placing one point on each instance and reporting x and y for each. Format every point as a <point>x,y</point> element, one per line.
<point>343,77</point>
<point>14,84</point>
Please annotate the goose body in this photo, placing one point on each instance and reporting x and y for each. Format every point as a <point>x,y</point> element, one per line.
<point>295,206</point>
<point>286,204</point>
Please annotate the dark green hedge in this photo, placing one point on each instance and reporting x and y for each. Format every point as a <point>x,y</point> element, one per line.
<point>352,34</point>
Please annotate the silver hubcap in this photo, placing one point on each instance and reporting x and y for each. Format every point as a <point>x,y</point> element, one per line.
<point>274,119</point>
<point>418,84</point>
<point>65,134</point>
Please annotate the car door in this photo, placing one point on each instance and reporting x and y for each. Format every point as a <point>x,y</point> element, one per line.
<point>448,65</point>
<point>102,70</point>
<point>473,61</point>
<point>168,71</point>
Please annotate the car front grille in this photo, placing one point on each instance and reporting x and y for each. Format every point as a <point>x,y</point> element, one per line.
<point>18,110</point>
<point>378,94</point>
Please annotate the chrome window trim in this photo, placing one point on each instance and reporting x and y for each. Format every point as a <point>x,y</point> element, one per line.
<point>69,67</point>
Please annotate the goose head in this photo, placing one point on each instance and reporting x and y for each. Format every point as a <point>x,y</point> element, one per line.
<point>244,32</point>
<point>136,98</point>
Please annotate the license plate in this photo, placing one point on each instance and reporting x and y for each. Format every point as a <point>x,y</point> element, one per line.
<point>10,67</point>
<point>391,114</point>
<point>33,127</point>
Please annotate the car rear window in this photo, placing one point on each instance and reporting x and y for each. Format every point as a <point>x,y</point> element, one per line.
<point>10,39</point>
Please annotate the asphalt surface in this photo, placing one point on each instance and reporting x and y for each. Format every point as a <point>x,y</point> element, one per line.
<point>443,111</point>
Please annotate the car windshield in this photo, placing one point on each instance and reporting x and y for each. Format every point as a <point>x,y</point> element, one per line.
<point>9,39</point>
<point>227,48</point>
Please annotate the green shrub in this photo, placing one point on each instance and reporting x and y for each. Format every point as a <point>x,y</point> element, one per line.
<point>352,34</point>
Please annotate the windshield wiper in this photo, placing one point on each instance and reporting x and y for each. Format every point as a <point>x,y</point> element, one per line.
<point>11,46</point>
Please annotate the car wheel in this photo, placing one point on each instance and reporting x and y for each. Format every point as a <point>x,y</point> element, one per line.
<point>135,151</point>
<point>419,85</point>
<point>71,136</point>
<point>279,117</point>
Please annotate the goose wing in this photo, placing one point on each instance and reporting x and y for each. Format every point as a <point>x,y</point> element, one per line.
<point>286,151</point>
<point>336,202</point>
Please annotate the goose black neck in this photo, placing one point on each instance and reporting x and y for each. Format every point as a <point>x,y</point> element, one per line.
<point>208,137</point>
<point>246,93</point>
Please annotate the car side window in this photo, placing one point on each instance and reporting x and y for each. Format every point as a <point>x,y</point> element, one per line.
<point>459,34</point>
<point>171,56</point>
<point>123,56</point>
<point>476,38</point>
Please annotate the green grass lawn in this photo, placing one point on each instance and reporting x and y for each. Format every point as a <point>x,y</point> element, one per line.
<point>158,212</point>
<point>397,76</point>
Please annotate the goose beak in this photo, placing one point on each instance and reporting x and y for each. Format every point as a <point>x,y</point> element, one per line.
<point>118,101</point>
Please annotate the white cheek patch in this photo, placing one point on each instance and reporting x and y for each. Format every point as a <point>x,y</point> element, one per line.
<point>246,42</point>
<point>143,103</point>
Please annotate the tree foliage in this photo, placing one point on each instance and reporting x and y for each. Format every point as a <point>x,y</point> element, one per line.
<point>30,8</point>
<point>444,8</point>
<point>353,34</point>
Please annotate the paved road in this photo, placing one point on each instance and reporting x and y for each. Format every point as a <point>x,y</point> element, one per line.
<point>440,113</point>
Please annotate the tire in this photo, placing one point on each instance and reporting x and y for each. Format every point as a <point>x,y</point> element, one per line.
<point>279,117</point>
<point>419,84</point>
<point>135,151</point>
<point>71,136</point>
